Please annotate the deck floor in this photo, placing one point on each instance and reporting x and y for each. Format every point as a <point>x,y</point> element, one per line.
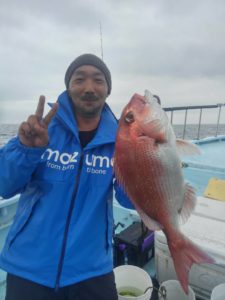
<point>211,163</point>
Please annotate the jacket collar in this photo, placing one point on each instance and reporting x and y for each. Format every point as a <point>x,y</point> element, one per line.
<point>107,128</point>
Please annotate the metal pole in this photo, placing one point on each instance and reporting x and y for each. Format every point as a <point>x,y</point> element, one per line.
<point>185,122</point>
<point>100,27</point>
<point>218,120</point>
<point>199,124</point>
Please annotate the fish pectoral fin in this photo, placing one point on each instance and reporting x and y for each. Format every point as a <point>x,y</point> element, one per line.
<point>188,204</point>
<point>186,148</point>
<point>149,223</point>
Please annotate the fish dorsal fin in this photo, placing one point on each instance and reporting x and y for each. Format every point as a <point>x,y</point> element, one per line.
<point>150,223</point>
<point>186,148</point>
<point>188,204</point>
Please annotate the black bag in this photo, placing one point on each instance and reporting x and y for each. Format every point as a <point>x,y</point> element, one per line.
<point>133,245</point>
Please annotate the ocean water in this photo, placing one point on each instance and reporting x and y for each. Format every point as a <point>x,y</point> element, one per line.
<point>7,131</point>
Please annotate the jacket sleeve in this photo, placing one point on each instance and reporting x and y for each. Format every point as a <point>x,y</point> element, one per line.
<point>17,163</point>
<point>121,196</point>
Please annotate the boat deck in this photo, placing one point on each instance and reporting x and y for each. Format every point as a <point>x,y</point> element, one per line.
<point>198,169</point>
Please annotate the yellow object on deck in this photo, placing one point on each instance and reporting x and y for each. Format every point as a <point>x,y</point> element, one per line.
<point>215,189</point>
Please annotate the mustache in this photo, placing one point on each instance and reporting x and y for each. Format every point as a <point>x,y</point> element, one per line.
<point>89,97</point>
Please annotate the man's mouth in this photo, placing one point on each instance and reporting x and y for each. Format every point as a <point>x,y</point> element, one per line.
<point>89,98</point>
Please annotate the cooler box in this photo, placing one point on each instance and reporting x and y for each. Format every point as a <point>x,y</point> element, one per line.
<point>206,228</point>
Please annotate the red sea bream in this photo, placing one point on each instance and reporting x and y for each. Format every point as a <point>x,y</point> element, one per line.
<point>148,167</point>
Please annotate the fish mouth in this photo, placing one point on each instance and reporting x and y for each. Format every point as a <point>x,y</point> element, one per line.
<point>148,97</point>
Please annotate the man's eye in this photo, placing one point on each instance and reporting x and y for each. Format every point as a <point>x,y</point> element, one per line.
<point>78,80</point>
<point>99,80</point>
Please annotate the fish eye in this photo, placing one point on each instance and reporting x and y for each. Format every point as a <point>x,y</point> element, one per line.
<point>129,118</point>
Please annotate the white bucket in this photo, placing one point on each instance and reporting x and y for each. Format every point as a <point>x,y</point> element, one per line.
<point>172,290</point>
<point>132,283</point>
<point>218,293</point>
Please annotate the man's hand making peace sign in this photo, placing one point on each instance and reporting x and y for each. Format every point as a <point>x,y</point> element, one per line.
<point>34,132</point>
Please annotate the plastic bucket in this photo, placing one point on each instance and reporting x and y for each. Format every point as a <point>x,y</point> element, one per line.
<point>172,290</point>
<point>132,283</point>
<point>218,293</point>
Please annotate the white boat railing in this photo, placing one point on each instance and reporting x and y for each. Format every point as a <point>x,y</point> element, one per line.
<point>186,109</point>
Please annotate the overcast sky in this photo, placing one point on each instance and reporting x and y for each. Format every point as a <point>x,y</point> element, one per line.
<point>174,48</point>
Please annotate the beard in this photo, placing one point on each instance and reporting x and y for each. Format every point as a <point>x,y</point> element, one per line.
<point>88,105</point>
<point>88,112</point>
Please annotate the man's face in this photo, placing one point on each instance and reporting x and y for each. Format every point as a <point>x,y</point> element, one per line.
<point>88,90</point>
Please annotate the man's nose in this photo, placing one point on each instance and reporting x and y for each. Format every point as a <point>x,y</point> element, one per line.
<point>89,86</point>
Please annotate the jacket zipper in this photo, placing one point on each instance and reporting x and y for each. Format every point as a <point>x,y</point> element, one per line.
<point>61,259</point>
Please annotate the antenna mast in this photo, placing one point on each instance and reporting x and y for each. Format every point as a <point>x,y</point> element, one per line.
<point>100,28</point>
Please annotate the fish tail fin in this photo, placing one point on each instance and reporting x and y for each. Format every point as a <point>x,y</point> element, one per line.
<point>184,254</point>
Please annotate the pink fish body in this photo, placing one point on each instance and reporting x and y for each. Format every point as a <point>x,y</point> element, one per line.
<point>147,165</point>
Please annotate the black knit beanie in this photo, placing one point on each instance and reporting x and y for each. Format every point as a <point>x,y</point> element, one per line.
<point>88,59</point>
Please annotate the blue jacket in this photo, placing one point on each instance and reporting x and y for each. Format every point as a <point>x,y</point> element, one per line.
<point>62,231</point>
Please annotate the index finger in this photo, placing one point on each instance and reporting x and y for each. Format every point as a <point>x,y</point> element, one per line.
<point>47,119</point>
<point>40,107</point>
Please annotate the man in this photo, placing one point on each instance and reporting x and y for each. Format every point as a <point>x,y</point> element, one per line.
<point>60,244</point>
